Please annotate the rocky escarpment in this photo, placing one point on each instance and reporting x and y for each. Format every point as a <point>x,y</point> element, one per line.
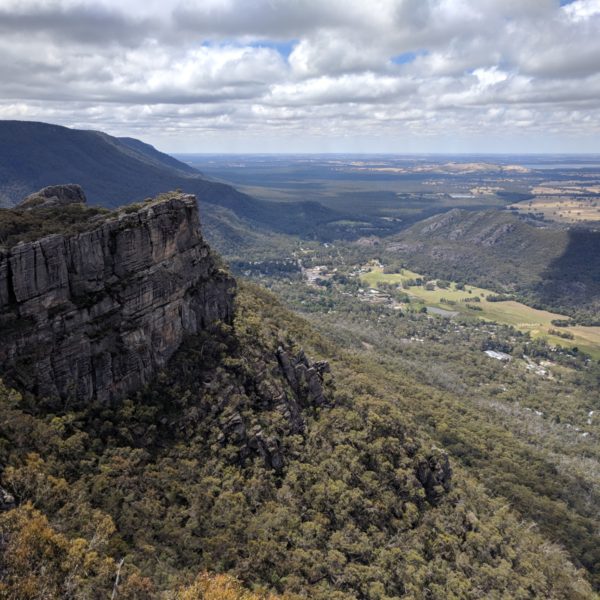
<point>303,388</point>
<point>94,313</point>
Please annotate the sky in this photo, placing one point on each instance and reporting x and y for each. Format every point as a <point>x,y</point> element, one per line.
<point>399,76</point>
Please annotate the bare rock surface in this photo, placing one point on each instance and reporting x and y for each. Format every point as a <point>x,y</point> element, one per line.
<point>54,195</point>
<point>435,474</point>
<point>94,315</point>
<point>7,500</point>
<point>289,385</point>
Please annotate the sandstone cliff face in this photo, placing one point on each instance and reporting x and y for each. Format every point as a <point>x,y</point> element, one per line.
<point>95,314</point>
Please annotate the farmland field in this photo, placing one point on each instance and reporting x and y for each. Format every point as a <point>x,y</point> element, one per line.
<point>566,209</point>
<point>525,318</point>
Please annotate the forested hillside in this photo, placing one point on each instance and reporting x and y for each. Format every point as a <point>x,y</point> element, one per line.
<point>343,343</point>
<point>246,456</point>
<point>117,171</point>
<point>374,454</point>
<point>546,265</point>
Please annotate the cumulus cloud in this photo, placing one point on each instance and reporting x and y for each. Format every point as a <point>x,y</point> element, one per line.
<point>226,74</point>
<point>581,10</point>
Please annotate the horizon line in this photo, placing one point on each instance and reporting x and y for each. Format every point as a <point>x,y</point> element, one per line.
<point>529,154</point>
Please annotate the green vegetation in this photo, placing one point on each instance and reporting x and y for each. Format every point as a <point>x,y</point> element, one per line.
<point>221,587</point>
<point>209,470</point>
<point>565,335</point>
<point>522,427</point>
<point>37,559</point>
<point>180,471</point>
<point>342,185</point>
<point>537,322</point>
<point>19,225</point>
<point>527,428</point>
<point>550,268</point>
<point>26,225</point>
<point>115,171</point>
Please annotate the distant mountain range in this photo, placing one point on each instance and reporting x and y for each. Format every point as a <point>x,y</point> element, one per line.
<point>116,171</point>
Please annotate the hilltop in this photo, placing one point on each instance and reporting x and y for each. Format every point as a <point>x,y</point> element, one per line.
<point>93,303</point>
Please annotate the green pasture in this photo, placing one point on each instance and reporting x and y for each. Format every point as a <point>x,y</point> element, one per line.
<point>523,317</point>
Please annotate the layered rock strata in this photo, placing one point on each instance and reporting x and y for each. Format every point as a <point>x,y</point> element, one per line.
<point>94,315</point>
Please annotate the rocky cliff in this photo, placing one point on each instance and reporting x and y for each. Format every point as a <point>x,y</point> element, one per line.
<point>93,313</point>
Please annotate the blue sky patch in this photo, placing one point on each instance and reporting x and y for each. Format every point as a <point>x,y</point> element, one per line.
<point>406,57</point>
<point>284,48</point>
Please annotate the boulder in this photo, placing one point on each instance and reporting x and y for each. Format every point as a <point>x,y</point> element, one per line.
<point>7,500</point>
<point>54,195</point>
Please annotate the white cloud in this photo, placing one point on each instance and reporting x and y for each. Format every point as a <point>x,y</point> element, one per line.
<point>489,77</point>
<point>192,72</point>
<point>581,10</point>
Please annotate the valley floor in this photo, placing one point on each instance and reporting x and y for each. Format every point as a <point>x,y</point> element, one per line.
<point>527,426</point>
<point>538,323</point>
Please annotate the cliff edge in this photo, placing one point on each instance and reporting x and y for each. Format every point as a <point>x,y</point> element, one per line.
<point>95,311</point>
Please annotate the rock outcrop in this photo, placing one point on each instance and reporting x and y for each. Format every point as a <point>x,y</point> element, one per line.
<point>290,386</point>
<point>7,501</point>
<point>435,475</point>
<point>54,195</point>
<point>94,314</point>
<point>305,378</point>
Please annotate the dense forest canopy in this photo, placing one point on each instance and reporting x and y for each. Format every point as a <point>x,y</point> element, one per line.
<point>205,470</point>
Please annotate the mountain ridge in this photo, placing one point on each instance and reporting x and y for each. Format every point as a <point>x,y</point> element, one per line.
<point>547,265</point>
<point>116,171</point>
<point>236,438</point>
<point>250,472</point>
